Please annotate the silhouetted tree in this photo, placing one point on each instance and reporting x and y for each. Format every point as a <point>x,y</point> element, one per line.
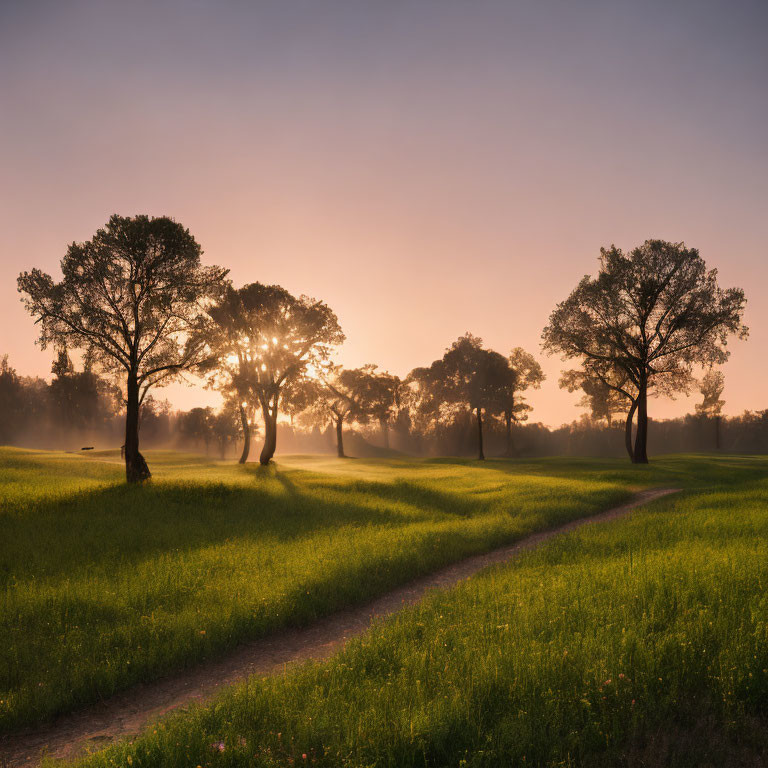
<point>651,313</point>
<point>468,376</point>
<point>381,397</point>
<point>526,374</point>
<point>155,420</point>
<point>299,396</point>
<point>711,407</point>
<point>79,400</point>
<point>340,395</point>
<point>132,297</point>
<point>263,339</point>
<point>17,407</point>
<point>421,399</point>
<point>603,400</point>
<point>197,426</point>
<point>226,426</point>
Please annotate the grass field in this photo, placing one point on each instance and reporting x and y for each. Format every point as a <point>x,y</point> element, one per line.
<point>639,642</point>
<point>105,585</point>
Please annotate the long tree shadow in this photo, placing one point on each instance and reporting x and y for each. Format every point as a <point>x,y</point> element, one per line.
<point>121,524</point>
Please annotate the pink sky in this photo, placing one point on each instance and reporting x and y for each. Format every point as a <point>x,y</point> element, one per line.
<point>426,168</point>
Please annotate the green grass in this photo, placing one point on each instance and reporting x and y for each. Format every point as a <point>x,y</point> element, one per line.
<point>639,642</point>
<point>105,585</point>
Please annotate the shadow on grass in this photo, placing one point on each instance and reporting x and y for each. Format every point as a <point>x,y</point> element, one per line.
<point>124,524</point>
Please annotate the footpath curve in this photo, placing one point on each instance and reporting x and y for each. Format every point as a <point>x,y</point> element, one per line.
<point>127,713</point>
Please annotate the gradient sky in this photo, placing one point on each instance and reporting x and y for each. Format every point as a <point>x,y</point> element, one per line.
<point>426,167</point>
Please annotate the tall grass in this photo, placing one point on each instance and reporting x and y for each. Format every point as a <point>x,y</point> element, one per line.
<point>103,585</point>
<point>585,652</point>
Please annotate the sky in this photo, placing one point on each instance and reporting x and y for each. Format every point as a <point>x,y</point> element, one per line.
<point>426,167</point>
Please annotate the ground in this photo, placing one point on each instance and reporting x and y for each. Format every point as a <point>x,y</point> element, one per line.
<point>573,654</point>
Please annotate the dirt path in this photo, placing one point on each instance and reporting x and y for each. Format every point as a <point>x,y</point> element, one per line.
<point>125,714</point>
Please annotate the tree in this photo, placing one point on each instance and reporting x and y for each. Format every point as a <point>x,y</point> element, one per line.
<point>16,406</point>
<point>381,396</point>
<point>197,426</point>
<point>602,401</point>
<point>711,407</point>
<point>155,417</point>
<point>263,338</point>
<point>526,374</point>
<point>468,376</point>
<point>648,317</point>
<point>421,400</point>
<point>132,297</point>
<point>344,394</point>
<point>79,400</point>
<point>299,396</point>
<point>226,426</point>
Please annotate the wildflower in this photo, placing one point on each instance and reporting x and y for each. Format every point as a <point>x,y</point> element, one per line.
<point>303,755</point>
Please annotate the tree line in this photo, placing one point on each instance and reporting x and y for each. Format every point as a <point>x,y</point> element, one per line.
<point>74,410</point>
<point>138,302</point>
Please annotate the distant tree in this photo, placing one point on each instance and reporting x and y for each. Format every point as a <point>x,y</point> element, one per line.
<point>469,376</point>
<point>650,315</point>
<point>15,406</point>
<point>421,399</point>
<point>711,407</point>
<point>711,387</point>
<point>155,420</point>
<point>132,297</point>
<point>341,395</point>
<point>381,396</point>
<point>226,426</point>
<point>197,426</point>
<point>526,374</point>
<point>603,401</point>
<point>263,338</point>
<point>299,395</point>
<point>80,400</point>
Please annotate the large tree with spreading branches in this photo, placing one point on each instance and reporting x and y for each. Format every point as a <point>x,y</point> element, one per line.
<point>646,319</point>
<point>133,297</point>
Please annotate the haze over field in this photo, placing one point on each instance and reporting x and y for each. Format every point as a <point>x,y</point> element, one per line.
<point>426,168</point>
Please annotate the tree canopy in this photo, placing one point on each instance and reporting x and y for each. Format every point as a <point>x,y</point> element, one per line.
<point>133,298</point>
<point>648,318</point>
<point>262,338</point>
<point>526,374</point>
<point>470,377</point>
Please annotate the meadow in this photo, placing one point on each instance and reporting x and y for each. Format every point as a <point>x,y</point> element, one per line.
<point>638,642</point>
<point>105,585</point>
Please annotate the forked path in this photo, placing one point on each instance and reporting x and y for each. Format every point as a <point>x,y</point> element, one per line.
<point>125,714</point>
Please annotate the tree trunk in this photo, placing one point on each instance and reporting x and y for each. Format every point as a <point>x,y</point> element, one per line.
<point>246,435</point>
<point>384,432</point>
<point>628,431</point>
<point>270,436</point>
<point>480,454</point>
<point>339,438</point>
<point>641,438</point>
<point>136,469</point>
